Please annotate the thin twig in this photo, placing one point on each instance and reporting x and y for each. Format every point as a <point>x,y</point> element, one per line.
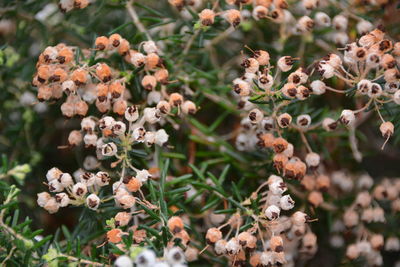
<point>136,21</point>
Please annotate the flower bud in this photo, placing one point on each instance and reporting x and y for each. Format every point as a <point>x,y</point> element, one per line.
<point>207,17</point>
<point>213,235</point>
<point>272,212</point>
<point>79,189</point>
<point>347,117</point>
<point>329,124</point>
<point>312,160</point>
<point>175,224</point>
<point>285,63</point>
<point>43,198</point>
<point>284,120</point>
<point>109,149</point>
<point>286,202</point>
<point>188,107</point>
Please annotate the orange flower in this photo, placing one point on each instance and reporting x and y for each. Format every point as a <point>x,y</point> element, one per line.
<point>114,235</point>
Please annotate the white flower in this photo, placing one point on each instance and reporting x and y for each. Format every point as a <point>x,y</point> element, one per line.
<point>233,246</point>
<point>220,247</point>
<point>312,159</point>
<point>68,86</point>
<point>365,182</point>
<point>138,59</point>
<point>272,212</point>
<point>109,149</point>
<point>277,188</point>
<point>347,117</point>
<point>392,244</point>
<point>163,264</point>
<point>274,179</point>
<point>66,5</point>
<point>52,206</point>
<point>66,179</point>
<point>139,134</point>
<point>123,261</point>
<point>146,258</point>
<point>102,178</point>
<point>106,122</point>
<point>79,189</point>
<point>55,186</point>
<point>396,97</point>
<point>329,124</point>
<point>131,113</point>
<point>143,175</point>
<point>322,19</point>
<point>255,115</point>
<point>149,47</point>
<point>90,139</point>
<point>326,70</point>
<point>119,128</point>
<point>150,138</point>
<point>175,256</point>
<point>42,198</point>
<point>87,178</point>
<point>340,22</point>
<point>266,258</point>
<point>53,173</point>
<point>151,115</point>
<point>62,199</point>
<point>161,137</point>
<point>375,90</point>
<point>286,202</point>
<point>93,201</point>
<point>364,27</point>
<point>303,120</point>
<point>364,86</point>
<point>285,63</point>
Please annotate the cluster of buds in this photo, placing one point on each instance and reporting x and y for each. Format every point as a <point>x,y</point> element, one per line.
<point>370,67</point>
<point>261,133</point>
<point>116,138</point>
<point>258,83</point>
<point>366,210</point>
<point>64,69</point>
<point>294,19</point>
<point>68,5</point>
<point>264,130</point>
<point>83,191</point>
<point>173,257</point>
<point>110,136</point>
<point>58,72</point>
<point>271,239</point>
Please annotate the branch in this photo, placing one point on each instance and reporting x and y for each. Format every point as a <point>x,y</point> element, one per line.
<point>136,21</point>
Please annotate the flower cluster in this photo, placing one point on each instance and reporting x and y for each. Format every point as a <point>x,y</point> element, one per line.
<point>293,18</point>
<point>173,257</point>
<point>271,238</point>
<point>118,137</point>
<point>60,70</point>
<point>370,207</point>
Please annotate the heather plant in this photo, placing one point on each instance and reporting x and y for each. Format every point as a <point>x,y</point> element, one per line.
<point>199,133</point>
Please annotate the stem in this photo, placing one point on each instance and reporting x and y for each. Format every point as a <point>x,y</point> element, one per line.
<point>135,19</point>
<point>304,139</point>
<point>353,144</point>
<point>335,90</point>
<point>91,263</point>
<point>379,113</point>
